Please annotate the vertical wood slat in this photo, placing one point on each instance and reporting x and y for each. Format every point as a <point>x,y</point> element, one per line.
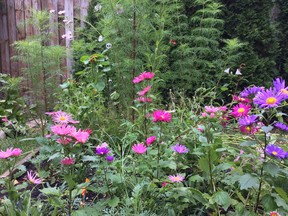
<point>54,22</point>
<point>4,39</point>
<point>12,36</point>
<point>69,31</point>
<point>83,12</point>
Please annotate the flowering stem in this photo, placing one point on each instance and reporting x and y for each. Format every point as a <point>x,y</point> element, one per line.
<point>106,180</point>
<point>158,148</point>
<point>261,176</point>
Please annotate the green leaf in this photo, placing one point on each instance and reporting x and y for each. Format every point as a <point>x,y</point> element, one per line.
<point>100,85</point>
<point>280,202</point>
<point>89,158</point>
<point>196,178</point>
<point>282,193</point>
<point>51,191</point>
<point>272,169</point>
<point>64,85</point>
<point>248,181</point>
<point>169,164</point>
<point>267,129</point>
<point>268,203</point>
<point>204,165</point>
<point>85,59</point>
<point>222,198</point>
<point>113,202</point>
<point>248,143</point>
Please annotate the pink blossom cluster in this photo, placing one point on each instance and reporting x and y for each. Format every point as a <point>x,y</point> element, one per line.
<point>144,76</point>
<point>10,152</point>
<point>141,148</point>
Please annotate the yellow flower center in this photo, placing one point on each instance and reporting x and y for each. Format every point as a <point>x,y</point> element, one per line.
<point>241,110</point>
<point>271,100</point>
<point>162,116</point>
<point>284,91</point>
<point>176,178</point>
<point>248,128</point>
<point>62,118</point>
<point>274,153</point>
<point>274,214</point>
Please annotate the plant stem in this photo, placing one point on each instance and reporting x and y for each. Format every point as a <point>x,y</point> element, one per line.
<point>158,148</point>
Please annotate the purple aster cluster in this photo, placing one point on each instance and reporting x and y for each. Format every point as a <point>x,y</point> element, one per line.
<point>281,126</point>
<point>280,87</point>
<point>247,120</point>
<point>268,98</point>
<point>181,149</point>
<point>250,91</point>
<point>276,151</point>
<point>104,151</point>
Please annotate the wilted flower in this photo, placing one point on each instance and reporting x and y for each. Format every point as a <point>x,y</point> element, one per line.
<point>161,115</point>
<point>176,178</point>
<point>181,149</point>
<point>275,151</point>
<point>144,91</point>
<point>241,99</point>
<point>67,161</point>
<point>150,140</point>
<point>84,190</point>
<point>139,148</point>
<point>240,110</point>
<point>281,126</point>
<point>144,99</point>
<point>32,177</point>
<point>268,99</point>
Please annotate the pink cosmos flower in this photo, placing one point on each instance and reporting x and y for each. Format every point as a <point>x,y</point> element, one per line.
<point>240,110</point>
<point>6,154</point>
<point>32,177</point>
<point>150,140</point>
<point>81,136</point>
<point>144,91</point>
<point>63,130</point>
<point>139,148</point>
<point>16,152</point>
<point>161,115</point>
<point>176,178</point>
<point>144,99</point>
<point>67,161</point>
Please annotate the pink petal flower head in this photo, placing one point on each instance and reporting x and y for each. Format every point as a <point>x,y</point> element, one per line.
<point>6,154</point>
<point>67,161</point>
<point>102,151</point>
<point>181,149</point>
<point>150,140</point>
<point>249,129</point>
<point>161,116</point>
<point>139,148</point>
<point>61,117</point>
<point>64,140</point>
<point>274,213</point>
<point>144,99</point>
<point>81,136</point>
<point>144,91</point>
<point>32,177</point>
<point>103,145</point>
<point>212,115</point>
<point>223,108</point>
<point>164,184</point>
<point>203,114</point>
<point>176,178</point>
<point>240,110</point>
<point>63,130</point>
<point>16,152</point>
<point>5,119</point>
<point>143,76</point>
<point>211,109</point>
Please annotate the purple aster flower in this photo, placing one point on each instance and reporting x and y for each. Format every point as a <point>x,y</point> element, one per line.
<point>250,91</point>
<point>247,120</point>
<point>268,98</point>
<point>110,158</point>
<point>102,151</point>
<point>181,149</point>
<point>176,178</point>
<point>281,126</point>
<point>279,86</point>
<point>275,151</point>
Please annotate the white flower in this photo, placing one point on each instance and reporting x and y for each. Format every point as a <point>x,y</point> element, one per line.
<point>100,38</point>
<point>227,71</point>
<point>61,12</point>
<point>238,72</point>
<point>108,45</point>
<point>52,11</point>
<point>98,7</point>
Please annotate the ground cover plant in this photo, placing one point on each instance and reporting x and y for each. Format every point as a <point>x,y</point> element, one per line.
<point>123,139</point>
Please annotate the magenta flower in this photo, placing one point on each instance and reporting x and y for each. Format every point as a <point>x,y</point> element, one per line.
<point>5,119</point>
<point>281,126</point>
<point>144,99</point>
<point>143,76</point>
<point>211,109</point>
<point>32,177</point>
<point>81,136</point>
<point>176,178</point>
<point>102,151</point>
<point>240,110</point>
<point>248,129</point>
<point>67,161</point>
<point>139,148</point>
<point>274,213</point>
<point>63,130</point>
<point>247,120</point>
<point>16,152</point>
<point>6,154</point>
<point>144,91</point>
<point>150,140</point>
<point>241,99</point>
<point>110,158</point>
<point>161,116</point>
<point>268,99</point>
<point>181,149</point>
<point>275,151</point>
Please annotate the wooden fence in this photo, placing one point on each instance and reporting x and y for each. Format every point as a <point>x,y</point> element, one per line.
<point>13,26</point>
